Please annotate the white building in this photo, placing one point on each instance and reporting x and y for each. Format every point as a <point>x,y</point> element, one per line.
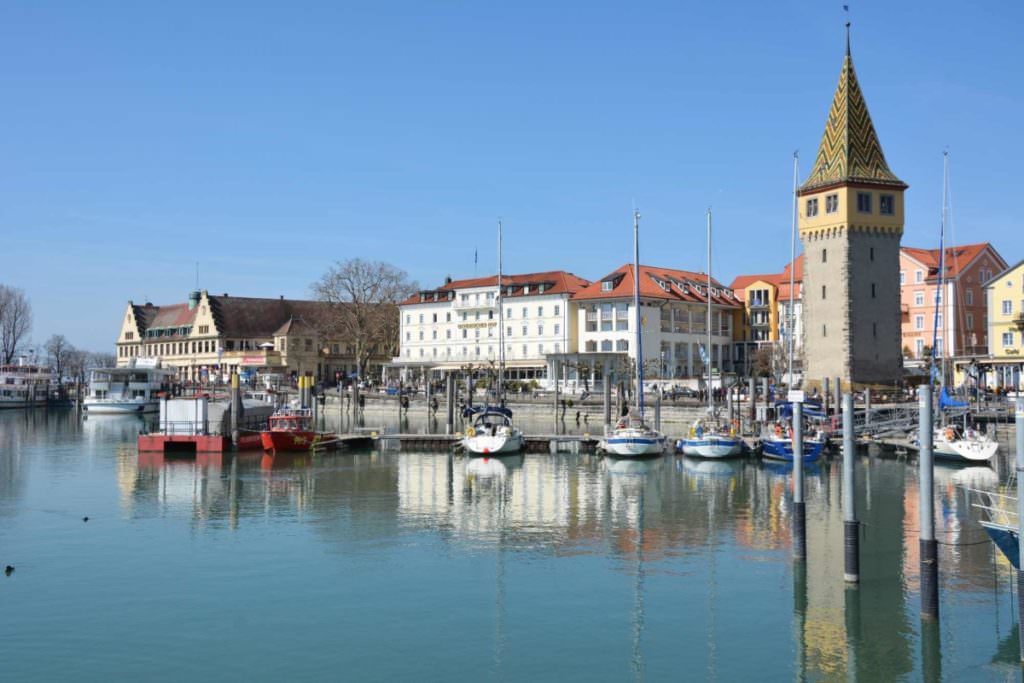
<point>673,314</point>
<point>456,325</point>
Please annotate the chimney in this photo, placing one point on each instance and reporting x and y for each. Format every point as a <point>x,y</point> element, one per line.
<point>447,279</point>
<point>193,300</point>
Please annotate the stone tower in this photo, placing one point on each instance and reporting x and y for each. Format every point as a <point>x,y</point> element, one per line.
<point>851,221</point>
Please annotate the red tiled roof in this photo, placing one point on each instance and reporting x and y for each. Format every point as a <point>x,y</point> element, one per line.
<point>556,281</point>
<point>679,285</point>
<point>957,258</point>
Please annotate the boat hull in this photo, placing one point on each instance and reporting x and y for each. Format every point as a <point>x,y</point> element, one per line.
<point>634,443</point>
<point>119,407</point>
<point>486,444</point>
<point>275,442</point>
<point>782,449</point>
<point>711,447</point>
<point>965,451</point>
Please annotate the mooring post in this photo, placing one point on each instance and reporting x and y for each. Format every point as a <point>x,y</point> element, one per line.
<point>799,512</point>
<point>355,398</point>
<point>764,392</point>
<point>837,388</point>
<point>753,405</point>
<point>401,395</point>
<point>827,397</point>
<point>657,410</point>
<point>554,374</point>
<point>449,404</point>
<point>926,505</point>
<point>867,405</point>
<point>607,400</point>
<point>236,408</point>
<point>851,527</point>
<point>1020,513</point>
<point>426,393</point>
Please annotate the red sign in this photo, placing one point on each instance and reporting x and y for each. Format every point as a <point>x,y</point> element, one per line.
<point>253,360</point>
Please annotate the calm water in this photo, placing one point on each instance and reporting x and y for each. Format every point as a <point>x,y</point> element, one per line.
<point>420,566</point>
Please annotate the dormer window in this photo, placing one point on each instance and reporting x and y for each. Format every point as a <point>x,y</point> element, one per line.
<point>607,285</point>
<point>510,290</point>
<point>540,288</point>
<point>526,289</point>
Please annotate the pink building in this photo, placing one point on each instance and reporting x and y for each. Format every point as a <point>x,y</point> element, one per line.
<point>961,320</point>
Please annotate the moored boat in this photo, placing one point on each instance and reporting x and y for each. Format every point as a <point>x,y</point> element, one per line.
<point>24,384</point>
<point>492,433</point>
<point>952,443</point>
<point>132,389</point>
<point>291,429</point>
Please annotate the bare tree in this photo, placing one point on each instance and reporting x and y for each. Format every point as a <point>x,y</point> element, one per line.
<point>15,321</point>
<point>363,298</point>
<point>59,350</point>
<point>101,359</point>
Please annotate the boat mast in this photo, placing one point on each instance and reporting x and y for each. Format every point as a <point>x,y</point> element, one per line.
<point>711,398</point>
<point>938,289</point>
<point>501,329</point>
<point>791,316</point>
<point>636,306</point>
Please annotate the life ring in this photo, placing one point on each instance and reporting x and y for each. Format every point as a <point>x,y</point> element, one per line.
<point>470,432</point>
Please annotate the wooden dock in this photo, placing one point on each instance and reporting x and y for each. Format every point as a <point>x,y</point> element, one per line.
<point>535,443</point>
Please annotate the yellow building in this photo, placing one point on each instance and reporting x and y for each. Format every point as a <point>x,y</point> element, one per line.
<point>1005,298</point>
<point>766,308</point>
<point>210,336</point>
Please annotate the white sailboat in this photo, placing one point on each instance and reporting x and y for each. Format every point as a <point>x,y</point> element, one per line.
<point>707,438</point>
<point>492,431</point>
<point>950,442</point>
<point>632,437</point>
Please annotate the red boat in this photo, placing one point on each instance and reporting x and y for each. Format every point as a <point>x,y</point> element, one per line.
<point>292,430</point>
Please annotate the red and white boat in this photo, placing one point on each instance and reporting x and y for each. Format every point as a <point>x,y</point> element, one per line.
<point>292,430</point>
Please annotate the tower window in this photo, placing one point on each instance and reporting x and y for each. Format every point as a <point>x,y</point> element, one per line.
<point>812,207</point>
<point>824,331</point>
<point>886,204</point>
<point>831,203</point>
<point>823,291</point>
<point>872,290</point>
<point>864,202</point>
<point>871,253</point>
<point>874,328</point>
<point>824,255</point>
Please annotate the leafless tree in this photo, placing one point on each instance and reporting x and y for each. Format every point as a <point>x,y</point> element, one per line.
<point>363,312</point>
<point>59,350</point>
<point>101,359</point>
<point>15,321</point>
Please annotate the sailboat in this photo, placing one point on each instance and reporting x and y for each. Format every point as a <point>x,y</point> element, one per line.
<point>777,443</point>
<point>706,438</point>
<point>631,436</point>
<point>492,431</point>
<point>950,442</point>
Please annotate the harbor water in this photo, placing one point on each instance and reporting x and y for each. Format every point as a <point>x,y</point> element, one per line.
<point>387,565</point>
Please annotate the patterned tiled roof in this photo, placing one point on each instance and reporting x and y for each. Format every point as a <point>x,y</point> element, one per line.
<point>659,283</point>
<point>849,150</point>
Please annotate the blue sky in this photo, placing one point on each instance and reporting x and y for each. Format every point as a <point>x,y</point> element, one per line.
<point>266,140</point>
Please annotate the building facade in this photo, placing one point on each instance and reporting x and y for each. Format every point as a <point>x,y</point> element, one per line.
<point>673,315</point>
<point>456,325</point>
<point>209,337</point>
<point>957,327</point>
<point>851,221</point>
<point>767,300</point>
<point>1004,365</point>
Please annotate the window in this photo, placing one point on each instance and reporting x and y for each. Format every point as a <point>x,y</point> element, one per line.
<point>540,329</point>
<point>508,312</point>
<point>435,317</point>
<point>434,333</point>
<point>607,286</point>
<point>864,202</point>
<point>476,333</point>
<point>824,255</point>
<point>525,331</point>
<point>874,329</point>
<point>622,345</point>
<point>421,337</point>
<point>448,317</point>
<point>1007,307</point>
<point>918,322</point>
<point>812,207</point>
<point>421,318</point>
<point>824,331</point>
<point>463,316</point>
<point>872,290</point>
<point>558,310</point>
<point>476,316</point>
<point>1007,338</point>
<point>970,321</point>
<point>540,311</point>
<point>903,278</point>
<point>831,203</point>
<point>920,347</point>
<point>919,298</point>
<point>886,204</point>
<point>606,345</point>
<point>525,354</point>
<point>408,319</point>
<point>969,297</point>
<point>558,329</point>
<point>938,321</point>
<point>490,315</point>
<point>465,333</point>
<point>918,276</point>
<point>448,334</point>
<point>477,300</point>
<point>823,291</point>
<point>871,254</point>
<point>508,331</point>
<point>540,348</point>
<point>525,313</point>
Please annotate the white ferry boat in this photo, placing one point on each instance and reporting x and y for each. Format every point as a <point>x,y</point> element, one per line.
<point>133,389</point>
<point>24,385</point>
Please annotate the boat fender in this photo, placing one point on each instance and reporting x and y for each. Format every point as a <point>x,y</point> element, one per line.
<point>470,432</point>
<point>949,433</point>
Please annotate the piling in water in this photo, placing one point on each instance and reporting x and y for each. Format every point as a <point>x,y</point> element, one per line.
<point>607,400</point>
<point>1020,516</point>
<point>867,405</point>
<point>449,404</point>
<point>826,395</point>
<point>657,410</point>
<point>799,511</point>
<point>926,505</point>
<point>236,408</point>
<point>837,388</point>
<point>851,527</point>
<point>554,374</point>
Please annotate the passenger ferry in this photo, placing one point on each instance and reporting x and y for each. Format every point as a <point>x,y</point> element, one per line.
<point>133,389</point>
<point>24,385</point>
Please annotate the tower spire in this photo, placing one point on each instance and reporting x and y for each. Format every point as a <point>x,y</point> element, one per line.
<point>847,37</point>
